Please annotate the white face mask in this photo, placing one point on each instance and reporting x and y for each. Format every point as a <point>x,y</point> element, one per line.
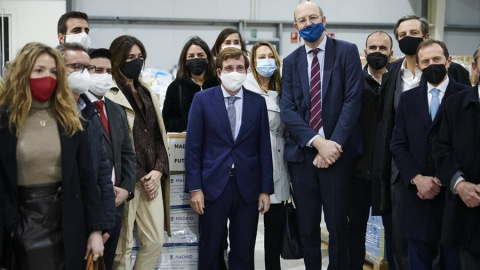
<point>79,81</point>
<point>233,46</point>
<point>233,81</point>
<point>100,83</point>
<point>81,38</point>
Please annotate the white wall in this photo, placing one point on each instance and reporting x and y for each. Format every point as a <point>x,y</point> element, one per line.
<point>32,20</point>
<point>164,42</point>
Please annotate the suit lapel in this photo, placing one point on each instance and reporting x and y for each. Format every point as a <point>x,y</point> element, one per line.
<point>448,92</point>
<point>302,71</point>
<point>422,104</point>
<point>218,105</point>
<point>246,114</point>
<point>329,56</point>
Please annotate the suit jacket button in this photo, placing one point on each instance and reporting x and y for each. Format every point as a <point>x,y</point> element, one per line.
<point>76,196</point>
<point>429,159</point>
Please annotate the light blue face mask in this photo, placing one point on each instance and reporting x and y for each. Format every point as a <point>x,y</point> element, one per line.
<point>266,67</point>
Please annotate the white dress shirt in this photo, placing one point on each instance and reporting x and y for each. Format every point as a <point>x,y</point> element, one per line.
<point>409,80</point>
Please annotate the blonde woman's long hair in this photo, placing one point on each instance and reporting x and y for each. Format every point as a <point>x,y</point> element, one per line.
<point>16,96</point>
<point>275,82</point>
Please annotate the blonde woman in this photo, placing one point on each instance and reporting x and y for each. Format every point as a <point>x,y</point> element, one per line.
<point>50,202</point>
<point>265,79</point>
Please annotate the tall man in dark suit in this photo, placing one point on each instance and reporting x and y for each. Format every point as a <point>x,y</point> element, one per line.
<point>117,142</point>
<point>416,121</point>
<point>228,163</point>
<point>456,152</point>
<point>321,99</point>
<point>402,76</point>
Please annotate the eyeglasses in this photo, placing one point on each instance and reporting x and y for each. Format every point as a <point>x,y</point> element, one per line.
<point>81,67</point>
<point>312,19</point>
<point>99,70</point>
<point>228,69</point>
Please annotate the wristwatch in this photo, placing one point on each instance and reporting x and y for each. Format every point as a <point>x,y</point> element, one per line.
<point>130,196</point>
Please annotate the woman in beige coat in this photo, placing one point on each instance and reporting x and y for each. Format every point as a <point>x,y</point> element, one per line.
<point>149,208</point>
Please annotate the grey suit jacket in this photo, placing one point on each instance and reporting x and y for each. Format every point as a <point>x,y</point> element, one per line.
<point>119,148</point>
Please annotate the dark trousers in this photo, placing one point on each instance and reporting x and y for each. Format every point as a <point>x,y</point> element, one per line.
<point>212,224</point>
<point>387,225</point>
<point>468,260</point>
<point>313,188</point>
<point>273,221</point>
<point>421,255</point>
<point>360,201</point>
<point>399,241</point>
<point>111,244</point>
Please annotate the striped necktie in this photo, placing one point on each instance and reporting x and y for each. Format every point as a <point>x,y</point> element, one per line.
<point>315,93</point>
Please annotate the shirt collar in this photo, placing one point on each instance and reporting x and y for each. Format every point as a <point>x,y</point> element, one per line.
<point>417,70</point>
<point>93,98</point>
<point>441,87</point>
<point>320,46</point>
<point>479,89</point>
<point>225,94</point>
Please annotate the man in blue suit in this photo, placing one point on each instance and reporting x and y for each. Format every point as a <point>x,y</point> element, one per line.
<point>321,99</point>
<point>228,163</point>
<point>417,120</point>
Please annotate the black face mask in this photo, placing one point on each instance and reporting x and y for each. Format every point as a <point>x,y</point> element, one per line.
<point>434,74</point>
<point>408,45</point>
<point>132,69</point>
<point>197,66</point>
<point>377,60</point>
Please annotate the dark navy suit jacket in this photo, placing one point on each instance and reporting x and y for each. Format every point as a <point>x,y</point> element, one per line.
<point>411,147</point>
<point>342,86</point>
<point>211,150</point>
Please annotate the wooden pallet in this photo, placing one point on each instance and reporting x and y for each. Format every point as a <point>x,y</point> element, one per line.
<point>375,265</point>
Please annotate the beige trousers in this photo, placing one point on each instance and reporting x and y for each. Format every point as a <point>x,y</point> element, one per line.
<point>149,218</point>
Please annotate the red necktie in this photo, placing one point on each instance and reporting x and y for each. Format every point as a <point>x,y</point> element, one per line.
<point>103,117</point>
<point>315,93</point>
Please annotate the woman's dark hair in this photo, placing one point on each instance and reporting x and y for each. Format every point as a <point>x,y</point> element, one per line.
<point>182,72</point>
<point>217,47</point>
<point>120,48</point>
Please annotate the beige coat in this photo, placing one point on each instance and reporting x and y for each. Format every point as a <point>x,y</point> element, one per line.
<point>118,97</point>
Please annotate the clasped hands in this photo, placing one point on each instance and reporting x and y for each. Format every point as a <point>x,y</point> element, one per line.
<point>428,186</point>
<point>328,152</point>
<point>151,183</point>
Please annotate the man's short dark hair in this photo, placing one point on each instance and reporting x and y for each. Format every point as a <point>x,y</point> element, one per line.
<point>429,42</point>
<point>62,48</point>
<point>424,24</point>
<point>99,53</point>
<point>62,22</point>
<point>228,53</point>
<point>475,55</point>
<point>380,32</point>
